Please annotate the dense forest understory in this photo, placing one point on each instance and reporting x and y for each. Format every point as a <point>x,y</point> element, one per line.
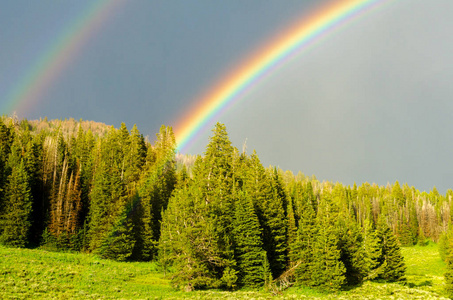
<point>220,220</point>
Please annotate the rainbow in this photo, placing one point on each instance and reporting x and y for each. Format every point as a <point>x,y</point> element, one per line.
<point>60,54</point>
<point>264,61</point>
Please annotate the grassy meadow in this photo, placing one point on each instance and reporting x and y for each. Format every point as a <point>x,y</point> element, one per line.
<point>39,274</point>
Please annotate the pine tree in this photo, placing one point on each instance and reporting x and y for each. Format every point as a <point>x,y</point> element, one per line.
<point>16,219</point>
<point>196,228</point>
<point>33,159</point>
<point>327,270</point>
<point>145,240</point>
<point>6,140</point>
<point>135,156</point>
<point>292,234</point>
<point>248,244</point>
<point>118,244</point>
<point>352,252</point>
<point>397,194</point>
<point>444,242</point>
<point>404,232</point>
<point>270,212</point>
<point>448,276</point>
<point>158,183</point>
<point>413,223</point>
<point>215,175</point>
<point>108,199</point>
<point>189,241</point>
<point>421,239</point>
<point>391,259</point>
<point>373,251</point>
<point>303,248</point>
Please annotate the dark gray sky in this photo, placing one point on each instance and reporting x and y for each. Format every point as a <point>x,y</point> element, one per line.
<point>372,101</point>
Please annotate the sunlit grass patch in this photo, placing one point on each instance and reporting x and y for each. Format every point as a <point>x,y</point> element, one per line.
<point>39,274</point>
<point>425,268</point>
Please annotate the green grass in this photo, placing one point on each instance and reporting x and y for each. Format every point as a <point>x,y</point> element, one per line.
<point>39,274</point>
<point>425,269</point>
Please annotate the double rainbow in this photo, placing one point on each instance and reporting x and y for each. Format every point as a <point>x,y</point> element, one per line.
<point>52,63</point>
<point>265,60</point>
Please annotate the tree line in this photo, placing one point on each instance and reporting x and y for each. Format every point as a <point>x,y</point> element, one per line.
<point>223,221</point>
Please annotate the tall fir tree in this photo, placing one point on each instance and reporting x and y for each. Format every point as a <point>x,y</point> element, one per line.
<point>292,234</point>
<point>16,218</point>
<point>215,174</point>
<point>6,141</point>
<point>248,244</point>
<point>391,259</point>
<point>158,182</point>
<point>352,252</point>
<point>109,196</point>
<point>373,251</point>
<point>327,270</point>
<point>189,241</point>
<point>119,243</point>
<point>196,228</point>
<point>303,248</point>
<point>270,212</point>
<point>448,276</point>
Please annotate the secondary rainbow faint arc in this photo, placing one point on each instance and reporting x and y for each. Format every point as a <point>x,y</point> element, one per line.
<point>293,41</point>
<point>58,55</point>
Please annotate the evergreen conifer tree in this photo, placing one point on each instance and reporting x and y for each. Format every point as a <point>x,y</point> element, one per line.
<point>118,244</point>
<point>196,228</point>
<point>448,276</point>
<point>404,232</point>
<point>248,244</point>
<point>373,250</point>
<point>158,182</point>
<point>189,241</point>
<point>392,261</point>
<point>15,221</point>
<point>303,247</point>
<point>292,234</point>
<point>444,242</point>
<point>352,252</point>
<point>270,212</point>
<point>327,270</point>
<point>214,174</point>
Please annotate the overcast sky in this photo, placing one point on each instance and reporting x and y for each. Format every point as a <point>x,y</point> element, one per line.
<point>372,101</point>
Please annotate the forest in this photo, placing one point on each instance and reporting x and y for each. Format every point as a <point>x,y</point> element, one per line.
<point>220,220</point>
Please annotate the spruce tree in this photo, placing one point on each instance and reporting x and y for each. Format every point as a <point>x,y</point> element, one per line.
<point>270,212</point>
<point>373,251</point>
<point>197,229</point>
<point>118,244</point>
<point>6,140</point>
<point>214,173</point>
<point>158,182</point>
<point>16,218</point>
<point>303,247</point>
<point>448,276</point>
<point>327,270</point>
<point>189,241</point>
<point>109,194</point>
<point>391,259</point>
<point>404,232</point>
<point>33,159</point>
<point>352,252</point>
<point>397,194</point>
<point>292,234</point>
<point>248,245</point>
<point>444,242</point>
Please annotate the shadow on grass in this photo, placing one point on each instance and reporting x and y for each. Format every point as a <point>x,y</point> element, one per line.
<point>351,287</point>
<point>419,284</point>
